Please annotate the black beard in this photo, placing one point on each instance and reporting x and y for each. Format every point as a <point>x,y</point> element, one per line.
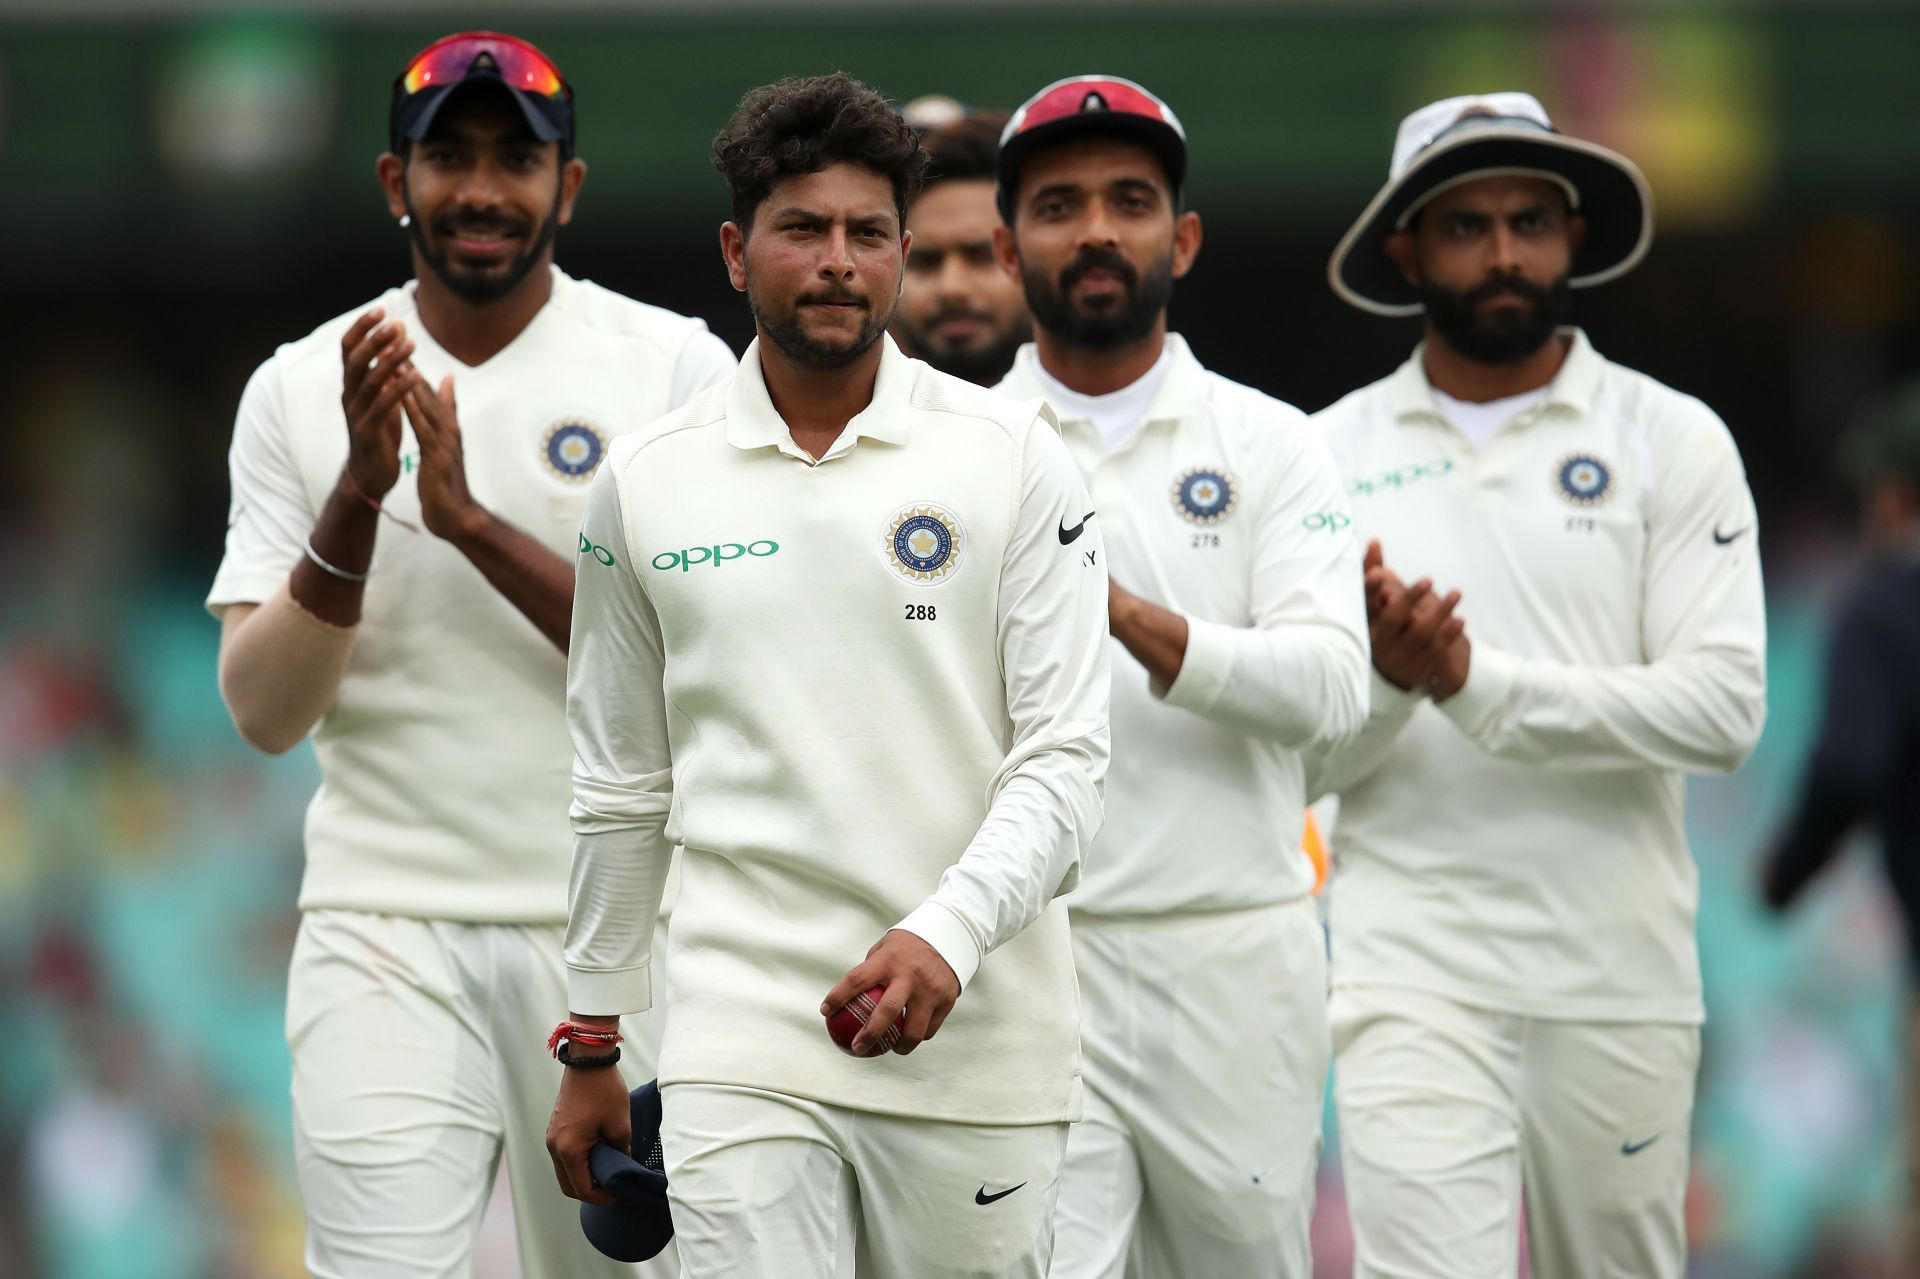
<point>982,366</point>
<point>787,333</point>
<point>1142,301</point>
<point>1506,336</point>
<point>474,288</point>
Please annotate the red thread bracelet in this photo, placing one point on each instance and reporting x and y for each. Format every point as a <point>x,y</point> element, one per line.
<point>346,473</point>
<point>574,1032</point>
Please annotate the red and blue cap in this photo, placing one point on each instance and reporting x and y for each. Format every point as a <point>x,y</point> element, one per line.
<point>1085,106</point>
<point>435,73</point>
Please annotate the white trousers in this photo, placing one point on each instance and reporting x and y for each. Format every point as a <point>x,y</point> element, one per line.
<point>1205,1045</point>
<point>768,1186</point>
<point>1447,1112</point>
<point>419,1062</point>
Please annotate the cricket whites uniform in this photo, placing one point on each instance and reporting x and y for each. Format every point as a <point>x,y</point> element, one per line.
<point>1516,992</point>
<point>428,968</point>
<point>1201,959</point>
<point>862,693</point>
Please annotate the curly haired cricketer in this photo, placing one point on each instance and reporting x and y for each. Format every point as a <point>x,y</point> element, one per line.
<point>827,637</point>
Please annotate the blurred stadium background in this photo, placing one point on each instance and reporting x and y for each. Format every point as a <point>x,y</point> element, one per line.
<point>183,186</point>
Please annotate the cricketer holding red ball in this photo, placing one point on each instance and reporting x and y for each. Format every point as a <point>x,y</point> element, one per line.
<point>842,636</point>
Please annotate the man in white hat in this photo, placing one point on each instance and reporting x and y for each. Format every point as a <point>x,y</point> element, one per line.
<point>1239,644</point>
<point>1516,990</point>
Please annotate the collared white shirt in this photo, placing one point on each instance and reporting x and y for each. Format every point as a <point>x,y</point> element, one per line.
<point>1522,846</point>
<point>865,692</point>
<point>1114,416</point>
<point>1225,506</point>
<point>443,759</point>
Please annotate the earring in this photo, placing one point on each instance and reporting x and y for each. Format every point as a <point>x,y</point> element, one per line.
<point>406,220</point>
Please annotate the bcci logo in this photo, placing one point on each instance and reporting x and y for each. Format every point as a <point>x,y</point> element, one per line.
<point>1583,479</point>
<point>1205,495</point>
<point>573,450</point>
<point>925,543</point>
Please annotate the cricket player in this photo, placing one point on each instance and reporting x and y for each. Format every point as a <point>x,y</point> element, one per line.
<point>958,310</point>
<point>840,632</point>
<point>1238,640</point>
<point>407,598</point>
<point>1516,991</point>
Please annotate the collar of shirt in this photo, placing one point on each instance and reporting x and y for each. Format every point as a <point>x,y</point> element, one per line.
<point>1181,393</point>
<point>1410,395</point>
<point>563,285</point>
<point>753,422</point>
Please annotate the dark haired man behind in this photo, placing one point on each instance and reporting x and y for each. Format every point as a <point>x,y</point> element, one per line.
<point>838,647</point>
<point>424,655</point>
<point>958,310</point>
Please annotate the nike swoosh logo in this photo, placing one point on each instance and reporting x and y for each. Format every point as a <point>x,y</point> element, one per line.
<point>1067,537</point>
<point>981,1196</point>
<point>1721,539</point>
<point>1635,1147</point>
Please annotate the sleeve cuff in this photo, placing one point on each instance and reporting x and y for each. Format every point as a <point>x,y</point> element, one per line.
<point>941,929</point>
<point>615,993</point>
<point>1204,670</point>
<point>1387,698</point>
<point>1490,676</point>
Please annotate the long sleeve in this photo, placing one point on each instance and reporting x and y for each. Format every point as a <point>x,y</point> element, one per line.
<point>1045,800</point>
<point>1389,709</point>
<point>1698,700</point>
<point>1855,757</point>
<point>622,769</point>
<point>1298,674</point>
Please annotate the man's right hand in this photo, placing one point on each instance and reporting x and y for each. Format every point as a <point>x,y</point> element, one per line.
<point>593,1106</point>
<point>374,357</point>
<point>1412,631</point>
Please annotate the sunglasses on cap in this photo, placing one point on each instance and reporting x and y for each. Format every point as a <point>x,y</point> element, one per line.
<point>544,96</point>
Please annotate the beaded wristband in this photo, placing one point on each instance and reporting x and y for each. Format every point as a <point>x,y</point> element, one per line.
<point>566,1058</point>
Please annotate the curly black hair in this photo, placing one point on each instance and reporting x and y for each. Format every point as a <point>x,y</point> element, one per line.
<point>797,126</point>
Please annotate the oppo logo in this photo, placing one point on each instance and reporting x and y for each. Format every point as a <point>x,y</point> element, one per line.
<point>600,553</point>
<point>692,555</point>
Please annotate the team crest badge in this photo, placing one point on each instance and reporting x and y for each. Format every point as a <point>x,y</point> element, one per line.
<point>1583,479</point>
<point>925,544</point>
<point>1205,495</point>
<point>573,450</point>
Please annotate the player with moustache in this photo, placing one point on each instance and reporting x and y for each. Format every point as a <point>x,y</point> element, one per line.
<point>827,640</point>
<point>1516,988</point>
<point>1238,643</point>
<point>398,583</point>
<point>958,310</point>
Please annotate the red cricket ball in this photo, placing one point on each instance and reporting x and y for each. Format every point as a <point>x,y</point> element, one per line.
<point>844,1022</point>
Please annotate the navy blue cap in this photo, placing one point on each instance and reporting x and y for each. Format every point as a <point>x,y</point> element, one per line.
<point>637,1225</point>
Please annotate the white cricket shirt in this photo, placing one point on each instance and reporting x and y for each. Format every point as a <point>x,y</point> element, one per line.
<point>1225,506</point>
<point>444,758</point>
<point>1522,845</point>
<point>864,693</point>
